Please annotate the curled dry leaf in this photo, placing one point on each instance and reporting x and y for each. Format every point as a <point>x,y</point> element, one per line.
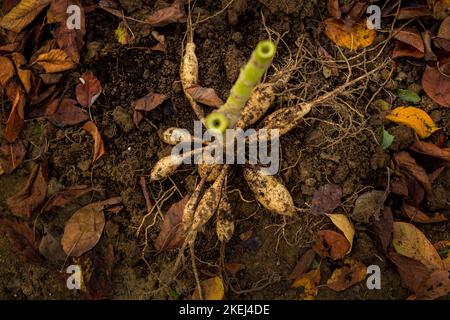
<point>65,196</point>
<point>414,12</point>
<point>15,121</point>
<point>368,206</point>
<point>411,242</point>
<point>436,86</point>
<point>430,149</point>
<point>206,96</point>
<point>23,14</point>
<point>383,228</point>
<point>6,70</point>
<point>359,36</point>
<point>418,216</point>
<point>12,155</point>
<point>32,195</point>
<point>325,199</point>
<point>407,163</point>
<point>350,274</point>
<point>88,90</point>
<point>331,244</point>
<point>54,61</point>
<point>149,102</point>
<point>85,227</point>
<point>212,289</point>
<point>333,9</point>
<point>308,281</point>
<point>303,264</point>
<point>24,75</point>
<point>409,44</point>
<point>22,239</point>
<point>443,36</point>
<point>174,13</point>
<point>415,118</point>
<point>171,234</point>
<point>344,224</point>
<point>161,45</point>
<point>99,149</point>
<point>412,272</point>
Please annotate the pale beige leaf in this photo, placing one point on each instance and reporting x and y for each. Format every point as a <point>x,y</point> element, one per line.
<point>344,224</point>
<point>23,14</point>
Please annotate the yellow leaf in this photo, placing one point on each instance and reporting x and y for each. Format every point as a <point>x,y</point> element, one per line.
<point>212,289</point>
<point>56,60</point>
<point>344,224</point>
<point>123,34</point>
<point>415,118</point>
<point>412,243</point>
<point>23,14</point>
<point>350,274</point>
<point>358,37</point>
<point>308,281</point>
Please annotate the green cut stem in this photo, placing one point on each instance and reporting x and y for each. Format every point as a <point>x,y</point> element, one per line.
<point>228,114</point>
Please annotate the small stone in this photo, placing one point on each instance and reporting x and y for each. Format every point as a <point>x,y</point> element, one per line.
<point>123,119</point>
<point>415,87</point>
<point>436,115</point>
<point>84,165</point>
<point>401,76</point>
<point>237,37</point>
<point>391,84</point>
<point>146,74</point>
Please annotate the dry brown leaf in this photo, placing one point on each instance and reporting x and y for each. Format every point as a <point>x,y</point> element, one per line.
<point>383,228</point>
<point>233,268</point>
<point>303,264</point>
<point>325,199</point>
<point>443,248</point>
<point>414,12</point>
<point>24,75</point>
<point>430,149</point>
<point>212,289</point>
<point>54,61</point>
<point>15,120</point>
<point>6,70</point>
<point>32,195</point>
<point>99,149</point>
<point>12,155</point>
<point>85,227</point>
<point>331,244</point>
<point>22,239</point>
<point>50,78</point>
<point>149,102</point>
<point>359,36</point>
<point>174,13</point>
<point>436,86</point>
<point>443,36</point>
<point>50,248</point>
<point>308,282</point>
<point>436,286</point>
<point>65,113</point>
<point>345,225</point>
<point>418,216</point>
<point>23,14</point>
<point>333,9</point>
<point>88,90</point>
<point>410,44</point>
<point>206,96</point>
<point>161,45</point>
<point>355,14</point>
<point>171,234</point>
<point>350,274</point>
<point>411,242</point>
<point>399,185</point>
<point>412,272</point>
<point>368,206</point>
<point>406,162</point>
<point>65,196</point>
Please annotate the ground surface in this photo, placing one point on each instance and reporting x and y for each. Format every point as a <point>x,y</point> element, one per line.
<point>316,153</point>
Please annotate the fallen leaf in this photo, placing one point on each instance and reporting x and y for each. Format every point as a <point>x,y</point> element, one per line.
<point>308,281</point>
<point>430,149</point>
<point>441,8</point>
<point>32,195</point>
<point>22,239</point>
<point>161,45</point>
<point>331,244</point>
<point>418,216</point>
<point>414,12</point>
<point>383,228</point>
<point>15,121</point>
<point>54,61</point>
<point>12,155</point>
<point>416,192</point>
<point>354,15</point>
<point>344,224</point>
<point>88,90</point>
<point>50,78</point>
<point>429,53</point>
<point>23,14</point>
<point>437,285</point>
<point>99,149</point>
<point>171,234</point>
<point>412,272</point>
<point>359,37</point>
<point>368,206</point>
<point>303,264</point>
<point>65,196</point>
<point>326,199</point>
<point>162,17</point>
<point>85,227</point>
<point>233,268</point>
<point>350,274</point>
<point>207,96</point>
<point>411,242</point>
<point>415,118</point>
<point>149,102</point>
<point>24,75</point>
<point>443,35</point>
<point>436,86</point>
<point>212,289</point>
<point>386,139</point>
<point>399,185</point>
<point>408,95</point>
<point>443,249</point>
<point>406,162</point>
<point>65,113</point>
<point>409,44</point>
<point>51,249</point>
<point>123,34</point>
<point>6,70</point>
<point>333,9</point>
<point>435,174</point>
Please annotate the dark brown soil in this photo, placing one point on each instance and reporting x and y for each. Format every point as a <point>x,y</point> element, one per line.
<point>316,153</point>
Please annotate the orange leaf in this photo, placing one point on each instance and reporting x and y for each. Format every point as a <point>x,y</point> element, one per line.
<point>331,244</point>
<point>359,36</point>
<point>436,86</point>
<point>24,75</point>
<point>6,70</point>
<point>99,149</point>
<point>15,121</point>
<point>350,274</point>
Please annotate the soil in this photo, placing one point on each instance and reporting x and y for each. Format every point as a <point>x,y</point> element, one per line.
<point>333,145</point>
